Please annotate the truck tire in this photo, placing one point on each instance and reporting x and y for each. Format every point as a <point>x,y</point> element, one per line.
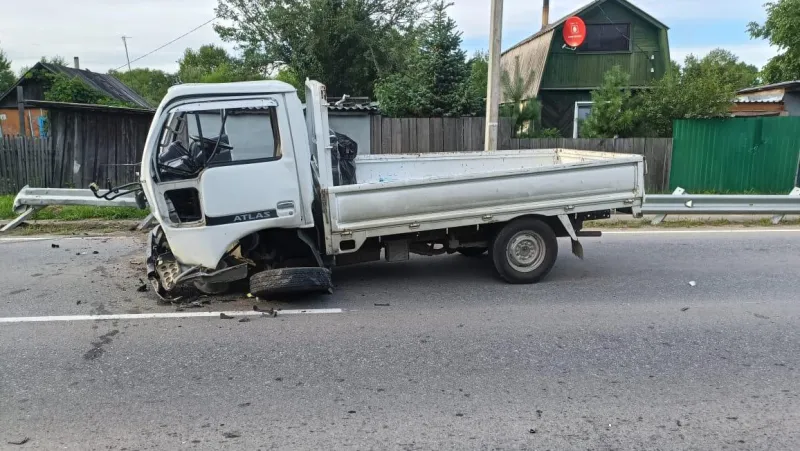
<point>472,251</point>
<point>285,281</point>
<point>524,251</point>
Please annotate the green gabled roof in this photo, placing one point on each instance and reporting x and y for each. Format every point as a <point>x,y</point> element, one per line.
<point>594,3</point>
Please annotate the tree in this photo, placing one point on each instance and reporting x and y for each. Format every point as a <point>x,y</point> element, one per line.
<point>781,30</point>
<point>58,60</point>
<point>478,82</point>
<point>613,114</point>
<point>287,75</point>
<point>723,66</point>
<point>346,44</point>
<point>437,80</point>
<point>7,77</point>
<point>702,88</point>
<point>524,113</point>
<point>151,84</point>
<point>213,64</point>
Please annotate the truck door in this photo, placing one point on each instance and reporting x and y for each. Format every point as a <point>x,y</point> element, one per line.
<point>230,162</point>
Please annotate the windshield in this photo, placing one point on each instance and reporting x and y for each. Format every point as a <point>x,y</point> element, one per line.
<point>194,140</point>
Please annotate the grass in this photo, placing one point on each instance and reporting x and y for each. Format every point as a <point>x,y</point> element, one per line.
<point>73,213</point>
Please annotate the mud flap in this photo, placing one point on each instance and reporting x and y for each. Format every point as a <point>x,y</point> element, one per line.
<point>577,247</point>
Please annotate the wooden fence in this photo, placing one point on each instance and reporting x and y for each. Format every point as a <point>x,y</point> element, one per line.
<point>424,135</point>
<point>76,156</point>
<point>25,161</point>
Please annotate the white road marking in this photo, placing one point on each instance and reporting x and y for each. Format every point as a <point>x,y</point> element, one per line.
<point>19,239</point>
<point>235,314</point>
<point>667,232</point>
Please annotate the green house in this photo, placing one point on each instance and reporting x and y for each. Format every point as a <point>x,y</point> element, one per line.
<point>617,34</point>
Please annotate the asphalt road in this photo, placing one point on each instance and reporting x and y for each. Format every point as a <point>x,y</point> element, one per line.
<point>617,351</point>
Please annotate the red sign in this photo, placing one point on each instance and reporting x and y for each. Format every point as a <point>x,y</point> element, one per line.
<point>574,32</point>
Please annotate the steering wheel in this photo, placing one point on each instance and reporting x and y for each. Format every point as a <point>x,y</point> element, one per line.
<point>211,143</point>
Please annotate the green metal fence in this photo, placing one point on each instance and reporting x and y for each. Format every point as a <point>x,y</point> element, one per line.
<point>736,155</point>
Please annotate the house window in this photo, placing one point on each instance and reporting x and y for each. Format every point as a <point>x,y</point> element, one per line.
<point>607,38</point>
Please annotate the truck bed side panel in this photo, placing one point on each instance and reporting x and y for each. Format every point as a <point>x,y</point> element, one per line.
<point>401,207</point>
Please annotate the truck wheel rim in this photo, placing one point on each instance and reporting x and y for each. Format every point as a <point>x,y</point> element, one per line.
<point>525,251</point>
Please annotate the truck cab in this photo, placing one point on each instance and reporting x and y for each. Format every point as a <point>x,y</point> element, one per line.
<point>222,162</point>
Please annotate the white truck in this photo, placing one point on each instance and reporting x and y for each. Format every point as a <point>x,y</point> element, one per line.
<point>245,186</point>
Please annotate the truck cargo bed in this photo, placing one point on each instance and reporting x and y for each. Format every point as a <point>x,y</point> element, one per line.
<point>406,193</point>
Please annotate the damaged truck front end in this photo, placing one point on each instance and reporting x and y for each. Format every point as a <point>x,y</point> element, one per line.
<point>168,276</point>
<point>214,171</point>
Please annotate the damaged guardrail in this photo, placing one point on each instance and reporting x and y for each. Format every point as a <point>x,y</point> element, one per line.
<point>29,200</point>
<point>682,203</point>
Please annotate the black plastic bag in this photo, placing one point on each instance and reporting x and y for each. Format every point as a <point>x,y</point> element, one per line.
<point>343,155</point>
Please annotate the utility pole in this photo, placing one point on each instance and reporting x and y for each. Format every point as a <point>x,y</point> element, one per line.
<point>493,90</point>
<point>125,42</point>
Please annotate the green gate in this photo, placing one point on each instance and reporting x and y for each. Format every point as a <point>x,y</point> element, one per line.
<point>736,155</point>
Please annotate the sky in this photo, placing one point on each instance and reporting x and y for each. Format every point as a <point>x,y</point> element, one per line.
<point>93,29</point>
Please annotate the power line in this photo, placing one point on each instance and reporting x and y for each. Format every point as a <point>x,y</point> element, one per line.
<point>168,43</point>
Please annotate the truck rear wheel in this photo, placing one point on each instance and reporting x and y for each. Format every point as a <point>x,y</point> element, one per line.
<point>524,251</point>
<point>276,282</point>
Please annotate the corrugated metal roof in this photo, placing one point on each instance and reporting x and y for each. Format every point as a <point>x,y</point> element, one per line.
<point>357,108</point>
<point>768,97</point>
<point>104,83</point>
<point>787,85</point>
<point>107,84</point>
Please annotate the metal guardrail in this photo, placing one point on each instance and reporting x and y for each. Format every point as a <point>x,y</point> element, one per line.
<point>682,203</point>
<point>29,200</point>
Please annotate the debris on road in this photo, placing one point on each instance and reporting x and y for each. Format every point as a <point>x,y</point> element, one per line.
<point>224,316</point>
<point>692,283</point>
<point>382,305</point>
<point>80,253</point>
<point>268,312</point>
<point>143,287</point>
<point>236,434</point>
<point>78,303</point>
<point>685,309</point>
<point>194,304</point>
<point>20,442</point>
<point>532,431</point>
<point>95,252</point>
<point>55,246</point>
<point>244,320</point>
